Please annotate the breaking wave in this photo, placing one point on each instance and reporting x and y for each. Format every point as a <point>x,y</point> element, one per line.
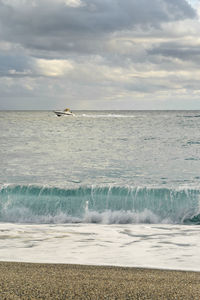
<point>107,205</point>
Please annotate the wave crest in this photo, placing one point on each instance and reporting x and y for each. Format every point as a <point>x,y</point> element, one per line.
<point>108,205</point>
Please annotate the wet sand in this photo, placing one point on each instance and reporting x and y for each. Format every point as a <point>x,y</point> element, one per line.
<point>57,281</point>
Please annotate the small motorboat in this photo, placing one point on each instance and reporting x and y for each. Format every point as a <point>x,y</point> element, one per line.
<point>65,112</point>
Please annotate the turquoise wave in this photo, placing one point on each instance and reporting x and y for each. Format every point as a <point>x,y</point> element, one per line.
<point>110,205</point>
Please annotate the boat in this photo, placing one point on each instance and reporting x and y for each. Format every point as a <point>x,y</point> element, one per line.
<point>65,112</point>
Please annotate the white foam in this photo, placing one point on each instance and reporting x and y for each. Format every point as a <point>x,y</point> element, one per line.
<point>121,217</point>
<point>147,245</point>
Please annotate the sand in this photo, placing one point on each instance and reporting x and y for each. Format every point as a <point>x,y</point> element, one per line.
<point>57,281</point>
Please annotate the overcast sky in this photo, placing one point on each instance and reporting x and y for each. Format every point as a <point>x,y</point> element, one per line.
<point>99,54</point>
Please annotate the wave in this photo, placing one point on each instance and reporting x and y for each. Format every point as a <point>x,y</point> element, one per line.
<point>192,116</point>
<point>107,205</point>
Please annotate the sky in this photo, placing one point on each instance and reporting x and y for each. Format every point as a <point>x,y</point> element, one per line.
<point>99,54</point>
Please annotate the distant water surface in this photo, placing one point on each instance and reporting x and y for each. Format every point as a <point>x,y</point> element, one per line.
<point>102,168</point>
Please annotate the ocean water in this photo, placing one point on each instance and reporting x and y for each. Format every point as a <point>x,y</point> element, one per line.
<point>103,187</point>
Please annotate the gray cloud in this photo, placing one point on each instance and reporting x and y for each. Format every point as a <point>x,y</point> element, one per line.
<point>111,52</point>
<point>14,64</point>
<point>55,26</point>
<point>178,50</point>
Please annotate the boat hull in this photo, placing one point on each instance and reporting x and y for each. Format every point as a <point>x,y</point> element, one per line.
<point>63,113</point>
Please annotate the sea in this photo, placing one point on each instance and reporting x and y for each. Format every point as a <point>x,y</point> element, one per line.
<point>115,188</point>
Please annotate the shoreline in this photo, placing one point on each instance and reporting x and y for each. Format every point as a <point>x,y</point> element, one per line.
<point>19,280</point>
<point>100,265</point>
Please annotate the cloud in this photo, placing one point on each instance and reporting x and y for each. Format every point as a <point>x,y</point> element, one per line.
<point>53,68</point>
<point>101,53</point>
<point>73,3</point>
<point>71,25</point>
<point>176,50</point>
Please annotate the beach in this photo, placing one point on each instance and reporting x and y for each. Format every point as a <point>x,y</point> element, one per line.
<point>63,281</point>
